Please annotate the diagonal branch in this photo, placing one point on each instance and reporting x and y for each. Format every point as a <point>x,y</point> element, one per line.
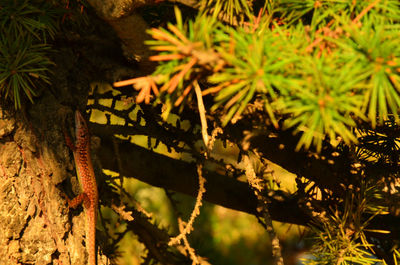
<point>330,169</point>
<point>161,171</point>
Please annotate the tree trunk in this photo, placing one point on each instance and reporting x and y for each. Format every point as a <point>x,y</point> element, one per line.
<point>36,225</point>
<point>35,222</point>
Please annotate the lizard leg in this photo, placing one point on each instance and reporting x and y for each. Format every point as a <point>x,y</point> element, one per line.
<point>69,142</point>
<point>77,200</point>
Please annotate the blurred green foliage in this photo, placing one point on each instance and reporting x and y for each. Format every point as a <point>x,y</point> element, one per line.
<point>221,235</point>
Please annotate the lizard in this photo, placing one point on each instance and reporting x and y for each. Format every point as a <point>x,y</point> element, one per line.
<point>89,196</point>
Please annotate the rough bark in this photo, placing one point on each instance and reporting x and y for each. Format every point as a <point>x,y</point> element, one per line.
<point>34,220</point>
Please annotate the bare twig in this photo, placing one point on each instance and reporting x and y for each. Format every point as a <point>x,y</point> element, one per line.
<point>202,112</point>
<point>125,215</point>
<point>196,211</point>
<point>256,184</point>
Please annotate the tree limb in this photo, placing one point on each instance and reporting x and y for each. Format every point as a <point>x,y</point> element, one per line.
<point>161,171</point>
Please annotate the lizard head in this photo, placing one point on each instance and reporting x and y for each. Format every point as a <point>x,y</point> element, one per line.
<point>81,129</point>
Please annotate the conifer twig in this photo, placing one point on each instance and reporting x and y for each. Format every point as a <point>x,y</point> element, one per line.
<point>186,244</point>
<point>196,210</point>
<point>256,185</point>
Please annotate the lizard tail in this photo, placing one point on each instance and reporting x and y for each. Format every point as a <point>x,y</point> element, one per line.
<point>91,239</point>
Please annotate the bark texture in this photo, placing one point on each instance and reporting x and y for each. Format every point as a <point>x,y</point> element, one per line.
<point>34,219</point>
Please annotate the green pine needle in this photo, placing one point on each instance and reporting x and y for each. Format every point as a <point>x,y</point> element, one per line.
<point>22,64</point>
